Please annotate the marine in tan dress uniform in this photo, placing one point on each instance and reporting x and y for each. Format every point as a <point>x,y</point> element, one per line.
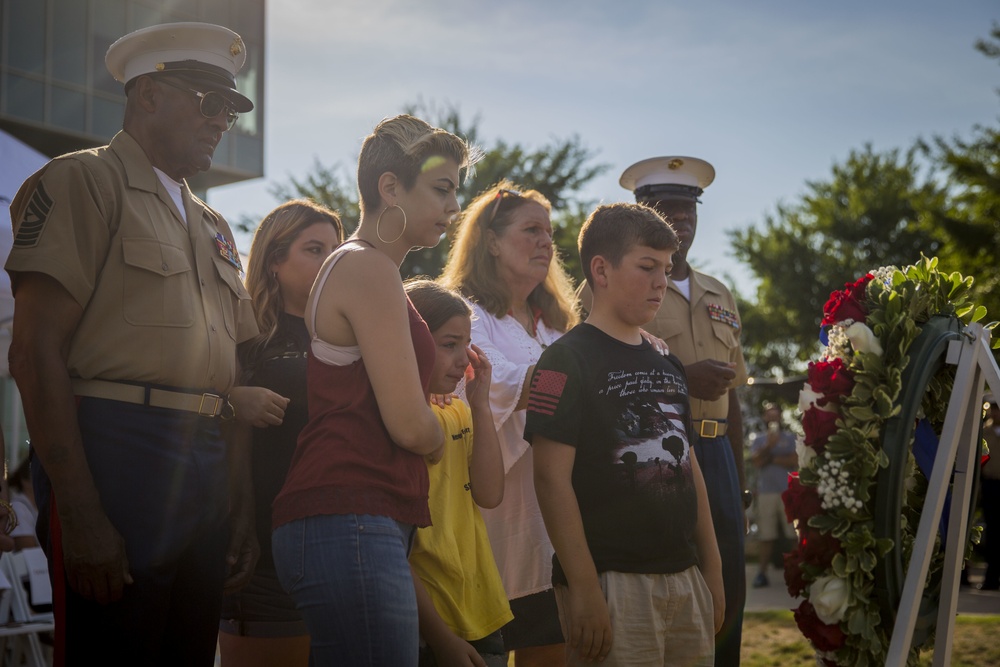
<point>699,321</point>
<point>128,309</point>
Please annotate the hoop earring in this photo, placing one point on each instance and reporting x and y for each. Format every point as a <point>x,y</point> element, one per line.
<point>378,222</point>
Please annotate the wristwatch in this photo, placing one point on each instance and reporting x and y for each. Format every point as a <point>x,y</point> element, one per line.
<point>747,498</point>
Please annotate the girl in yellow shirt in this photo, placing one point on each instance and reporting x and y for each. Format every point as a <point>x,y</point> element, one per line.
<point>460,598</point>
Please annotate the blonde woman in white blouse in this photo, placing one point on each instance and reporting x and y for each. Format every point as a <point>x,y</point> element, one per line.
<point>504,261</point>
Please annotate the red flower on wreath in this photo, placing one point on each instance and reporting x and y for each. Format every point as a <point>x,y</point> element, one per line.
<point>794,576</point>
<point>830,378</point>
<point>801,502</point>
<point>848,303</point>
<point>818,425</point>
<point>818,549</point>
<point>823,636</point>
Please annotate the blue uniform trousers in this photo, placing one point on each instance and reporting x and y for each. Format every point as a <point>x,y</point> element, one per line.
<point>725,497</point>
<point>162,479</point>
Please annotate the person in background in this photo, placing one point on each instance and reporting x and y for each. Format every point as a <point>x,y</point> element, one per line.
<point>128,308</point>
<point>990,497</point>
<point>357,485</point>
<point>459,593</point>
<point>637,570</point>
<point>773,454</point>
<point>503,260</point>
<point>260,625</point>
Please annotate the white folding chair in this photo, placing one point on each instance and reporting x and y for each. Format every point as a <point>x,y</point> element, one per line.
<point>20,623</point>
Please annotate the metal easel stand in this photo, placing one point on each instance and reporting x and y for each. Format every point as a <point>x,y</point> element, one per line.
<point>956,453</point>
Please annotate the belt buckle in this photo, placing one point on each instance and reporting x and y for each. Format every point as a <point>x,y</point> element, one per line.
<point>709,422</point>
<point>218,401</point>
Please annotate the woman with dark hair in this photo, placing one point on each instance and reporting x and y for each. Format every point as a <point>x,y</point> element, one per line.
<point>357,488</point>
<point>260,625</point>
<point>504,261</point>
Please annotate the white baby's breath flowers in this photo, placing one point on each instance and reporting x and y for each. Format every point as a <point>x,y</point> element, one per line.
<point>838,344</point>
<point>834,487</point>
<point>883,275</point>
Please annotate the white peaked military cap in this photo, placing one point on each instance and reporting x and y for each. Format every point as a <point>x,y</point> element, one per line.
<point>668,176</point>
<point>202,53</point>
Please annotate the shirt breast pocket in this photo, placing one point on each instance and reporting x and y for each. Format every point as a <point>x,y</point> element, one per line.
<point>726,335</point>
<point>666,329</point>
<point>231,291</point>
<point>156,287</point>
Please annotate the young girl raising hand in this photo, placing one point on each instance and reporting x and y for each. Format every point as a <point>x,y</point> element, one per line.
<point>461,601</point>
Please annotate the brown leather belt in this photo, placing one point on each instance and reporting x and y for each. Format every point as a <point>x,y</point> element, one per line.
<point>710,428</point>
<point>205,405</point>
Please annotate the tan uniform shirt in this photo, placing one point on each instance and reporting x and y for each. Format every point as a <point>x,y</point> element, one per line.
<point>162,303</point>
<point>706,328</point>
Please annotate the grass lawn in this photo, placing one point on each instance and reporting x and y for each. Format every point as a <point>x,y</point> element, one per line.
<point>771,638</point>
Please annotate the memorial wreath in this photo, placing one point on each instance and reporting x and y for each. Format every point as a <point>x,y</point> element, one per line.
<point>851,392</point>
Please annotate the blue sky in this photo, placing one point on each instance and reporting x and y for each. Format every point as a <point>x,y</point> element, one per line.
<point>771,93</point>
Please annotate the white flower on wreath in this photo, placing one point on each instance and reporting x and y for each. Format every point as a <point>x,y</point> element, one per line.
<point>825,655</point>
<point>829,596</point>
<point>810,399</point>
<point>806,454</point>
<point>863,339</point>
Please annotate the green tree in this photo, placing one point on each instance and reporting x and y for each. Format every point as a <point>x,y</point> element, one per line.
<point>873,211</point>
<point>330,186</point>
<point>972,218</point>
<point>559,170</point>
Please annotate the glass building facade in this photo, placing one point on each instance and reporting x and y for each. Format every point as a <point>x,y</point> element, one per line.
<point>57,96</point>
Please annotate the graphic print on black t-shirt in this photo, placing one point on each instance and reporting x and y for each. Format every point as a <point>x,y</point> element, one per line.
<point>651,449</point>
<point>625,411</point>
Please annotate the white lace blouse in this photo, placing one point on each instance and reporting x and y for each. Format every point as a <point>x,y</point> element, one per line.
<point>517,534</point>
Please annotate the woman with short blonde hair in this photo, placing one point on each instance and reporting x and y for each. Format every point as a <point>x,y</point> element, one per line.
<point>357,487</point>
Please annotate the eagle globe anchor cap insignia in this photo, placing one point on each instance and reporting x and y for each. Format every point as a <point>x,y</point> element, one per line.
<point>668,176</point>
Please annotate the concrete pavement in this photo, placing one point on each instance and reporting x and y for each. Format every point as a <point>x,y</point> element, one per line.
<point>775,596</point>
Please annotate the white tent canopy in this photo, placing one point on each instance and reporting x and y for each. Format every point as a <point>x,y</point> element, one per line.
<point>17,162</point>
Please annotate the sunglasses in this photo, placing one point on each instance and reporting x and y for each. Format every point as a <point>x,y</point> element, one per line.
<point>211,103</point>
<point>499,198</point>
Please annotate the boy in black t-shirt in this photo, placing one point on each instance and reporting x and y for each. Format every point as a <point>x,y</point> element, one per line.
<point>637,570</point>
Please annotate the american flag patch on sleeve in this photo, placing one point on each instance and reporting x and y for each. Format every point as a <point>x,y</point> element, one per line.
<point>546,389</point>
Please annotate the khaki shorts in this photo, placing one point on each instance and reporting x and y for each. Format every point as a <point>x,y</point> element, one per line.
<point>771,518</point>
<point>656,619</point>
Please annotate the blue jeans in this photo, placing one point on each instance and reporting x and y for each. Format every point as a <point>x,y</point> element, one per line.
<point>350,578</point>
